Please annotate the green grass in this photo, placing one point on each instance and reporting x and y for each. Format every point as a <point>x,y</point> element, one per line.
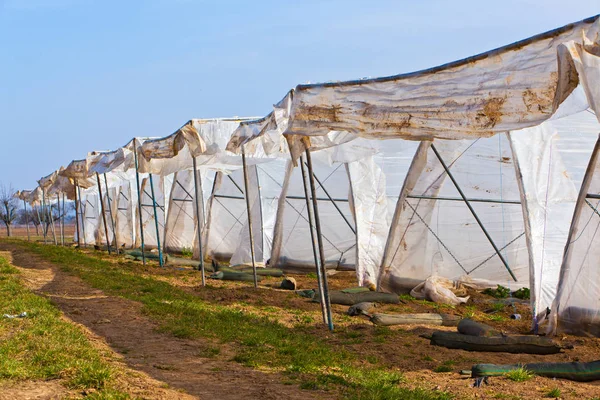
<point>42,346</point>
<point>519,375</point>
<point>553,393</point>
<point>259,341</point>
<point>187,252</point>
<point>446,366</point>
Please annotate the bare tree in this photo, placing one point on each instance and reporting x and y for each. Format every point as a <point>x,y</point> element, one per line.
<point>8,206</point>
<point>31,216</point>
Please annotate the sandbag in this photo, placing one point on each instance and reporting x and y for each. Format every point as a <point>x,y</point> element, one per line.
<point>138,253</point>
<point>234,276</point>
<point>358,289</point>
<point>415,319</point>
<point>469,327</point>
<point>440,290</point>
<point>188,262</point>
<point>574,371</point>
<point>360,308</point>
<point>505,344</point>
<point>273,272</point>
<point>348,299</point>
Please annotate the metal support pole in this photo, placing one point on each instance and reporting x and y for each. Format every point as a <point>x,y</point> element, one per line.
<point>60,220</point>
<point>37,211</point>
<point>112,221</point>
<point>313,192</point>
<point>64,214</point>
<point>26,219</point>
<point>45,221</point>
<point>77,216</point>
<point>485,232</point>
<point>197,194</point>
<point>103,213</point>
<point>314,244</point>
<point>137,179</point>
<point>82,214</point>
<point>245,167</point>
<point>160,254</point>
<point>335,204</point>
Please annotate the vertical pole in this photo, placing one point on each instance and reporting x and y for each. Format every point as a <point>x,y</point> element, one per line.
<point>197,194</point>
<point>45,221</point>
<point>112,221</point>
<point>160,254</point>
<point>137,179</point>
<point>64,214</point>
<point>37,211</point>
<point>49,210</point>
<point>60,222</point>
<point>82,215</point>
<point>103,213</point>
<point>314,244</point>
<point>77,216</point>
<point>319,237</point>
<point>26,219</point>
<point>245,167</point>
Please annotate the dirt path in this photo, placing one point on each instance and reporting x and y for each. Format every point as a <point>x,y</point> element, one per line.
<point>175,362</point>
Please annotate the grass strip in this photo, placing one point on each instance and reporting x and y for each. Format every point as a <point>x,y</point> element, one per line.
<point>260,342</point>
<point>43,346</point>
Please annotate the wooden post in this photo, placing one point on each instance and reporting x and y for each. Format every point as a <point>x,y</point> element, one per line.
<point>26,219</point>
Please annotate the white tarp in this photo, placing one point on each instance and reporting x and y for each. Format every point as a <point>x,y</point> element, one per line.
<point>552,159</point>
<point>507,89</point>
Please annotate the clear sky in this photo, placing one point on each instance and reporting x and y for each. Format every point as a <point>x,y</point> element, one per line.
<point>83,75</point>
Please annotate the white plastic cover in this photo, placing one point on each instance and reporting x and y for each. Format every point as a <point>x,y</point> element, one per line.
<point>552,159</point>
<point>576,308</point>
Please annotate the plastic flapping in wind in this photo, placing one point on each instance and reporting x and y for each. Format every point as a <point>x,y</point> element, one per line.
<point>507,89</point>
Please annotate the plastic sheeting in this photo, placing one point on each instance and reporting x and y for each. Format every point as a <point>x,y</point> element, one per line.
<point>433,231</point>
<point>507,89</point>
<point>552,159</point>
<point>576,308</point>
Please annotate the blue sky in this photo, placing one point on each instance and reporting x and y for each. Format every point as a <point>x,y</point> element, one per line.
<point>82,75</point>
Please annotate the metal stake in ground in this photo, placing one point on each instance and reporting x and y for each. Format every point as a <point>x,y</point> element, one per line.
<point>197,194</point>
<point>77,216</point>
<point>137,180</point>
<point>160,254</point>
<point>60,220</point>
<point>103,213</point>
<point>37,211</point>
<point>112,220</point>
<point>245,167</point>
<point>44,221</point>
<point>314,244</point>
<point>319,236</point>
<point>26,219</point>
<point>82,215</point>
<point>64,214</point>
<point>485,232</point>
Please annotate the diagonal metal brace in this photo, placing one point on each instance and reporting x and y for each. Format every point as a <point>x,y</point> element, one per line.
<point>485,232</point>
